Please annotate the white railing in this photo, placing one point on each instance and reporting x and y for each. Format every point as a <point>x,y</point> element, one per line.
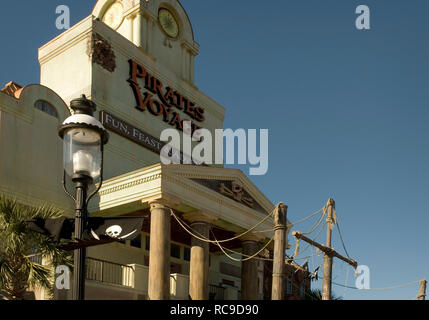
<point>109,272</point>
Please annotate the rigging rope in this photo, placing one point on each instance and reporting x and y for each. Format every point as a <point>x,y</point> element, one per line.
<point>202,238</point>
<point>246,259</point>
<point>346,282</point>
<point>379,289</point>
<point>317,224</point>
<point>342,241</point>
<point>268,259</point>
<point>309,217</point>
<point>314,239</point>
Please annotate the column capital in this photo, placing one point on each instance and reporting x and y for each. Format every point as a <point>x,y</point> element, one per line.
<point>280,216</point>
<point>161,201</point>
<point>199,217</point>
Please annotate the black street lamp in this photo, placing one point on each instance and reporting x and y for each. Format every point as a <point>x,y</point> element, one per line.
<point>84,139</point>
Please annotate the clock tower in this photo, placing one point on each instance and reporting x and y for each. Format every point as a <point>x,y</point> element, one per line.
<point>160,28</point>
<point>135,60</point>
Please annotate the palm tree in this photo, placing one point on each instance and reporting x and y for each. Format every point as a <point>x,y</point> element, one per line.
<point>19,246</point>
<point>316,294</point>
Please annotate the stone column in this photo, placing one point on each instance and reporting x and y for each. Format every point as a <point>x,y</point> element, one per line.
<point>200,254</point>
<point>249,271</point>
<point>159,258</point>
<point>137,30</point>
<point>130,22</point>
<point>199,266</point>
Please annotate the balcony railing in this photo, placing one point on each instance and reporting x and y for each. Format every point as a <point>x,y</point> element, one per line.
<point>135,277</point>
<point>109,272</point>
<point>216,292</point>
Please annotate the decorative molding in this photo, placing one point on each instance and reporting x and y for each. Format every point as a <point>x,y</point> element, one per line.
<point>101,52</point>
<point>130,184</point>
<point>240,209</point>
<point>62,47</point>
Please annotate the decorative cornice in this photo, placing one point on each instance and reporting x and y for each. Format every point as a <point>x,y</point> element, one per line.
<point>64,47</point>
<point>222,201</point>
<point>212,173</point>
<point>130,184</point>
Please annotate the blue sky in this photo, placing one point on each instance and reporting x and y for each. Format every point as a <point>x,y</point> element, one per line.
<point>347,112</point>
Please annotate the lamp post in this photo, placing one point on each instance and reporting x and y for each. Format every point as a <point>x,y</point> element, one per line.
<point>84,139</point>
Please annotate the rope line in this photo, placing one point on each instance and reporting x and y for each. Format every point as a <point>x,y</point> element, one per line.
<point>309,217</point>
<point>317,224</point>
<point>202,238</point>
<point>245,259</point>
<point>378,289</point>
<point>342,241</point>
<point>187,228</point>
<point>268,259</point>
<point>314,239</point>
<point>346,282</point>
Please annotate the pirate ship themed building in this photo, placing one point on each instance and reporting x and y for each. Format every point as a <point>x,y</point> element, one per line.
<point>135,60</point>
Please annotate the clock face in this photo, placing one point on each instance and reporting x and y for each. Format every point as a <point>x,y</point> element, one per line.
<point>114,15</point>
<point>168,23</point>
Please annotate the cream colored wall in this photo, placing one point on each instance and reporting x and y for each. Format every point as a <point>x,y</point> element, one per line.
<point>31,164</point>
<point>67,68</point>
<point>140,25</point>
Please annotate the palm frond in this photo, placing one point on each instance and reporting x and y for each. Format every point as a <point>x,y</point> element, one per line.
<point>17,270</point>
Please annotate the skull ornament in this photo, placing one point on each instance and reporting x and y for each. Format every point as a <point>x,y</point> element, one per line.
<point>236,192</point>
<point>114,231</point>
<point>237,189</point>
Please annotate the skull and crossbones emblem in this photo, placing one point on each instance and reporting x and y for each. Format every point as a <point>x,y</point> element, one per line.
<point>114,231</point>
<point>236,192</point>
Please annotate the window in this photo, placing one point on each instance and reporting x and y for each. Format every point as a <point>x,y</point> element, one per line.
<point>46,108</point>
<point>228,282</point>
<point>137,242</point>
<point>187,254</point>
<point>302,290</point>
<point>288,286</point>
<point>147,245</point>
<point>175,251</point>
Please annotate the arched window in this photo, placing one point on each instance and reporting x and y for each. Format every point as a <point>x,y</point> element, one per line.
<point>46,107</point>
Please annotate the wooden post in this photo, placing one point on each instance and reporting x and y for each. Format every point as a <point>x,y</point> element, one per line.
<point>325,249</point>
<point>249,272</point>
<point>280,218</point>
<point>329,253</point>
<point>422,291</point>
<point>327,258</point>
<point>159,257</point>
<point>199,265</point>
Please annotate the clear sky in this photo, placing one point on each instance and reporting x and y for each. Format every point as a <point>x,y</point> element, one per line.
<point>347,112</point>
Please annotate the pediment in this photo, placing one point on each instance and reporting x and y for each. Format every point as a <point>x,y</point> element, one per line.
<point>231,184</point>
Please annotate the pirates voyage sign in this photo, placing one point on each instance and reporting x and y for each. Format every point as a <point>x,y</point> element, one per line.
<point>163,101</point>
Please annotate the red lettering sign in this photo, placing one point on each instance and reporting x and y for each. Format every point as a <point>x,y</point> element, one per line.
<point>162,101</point>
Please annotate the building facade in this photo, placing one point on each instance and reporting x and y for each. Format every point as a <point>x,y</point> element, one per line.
<point>135,60</point>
